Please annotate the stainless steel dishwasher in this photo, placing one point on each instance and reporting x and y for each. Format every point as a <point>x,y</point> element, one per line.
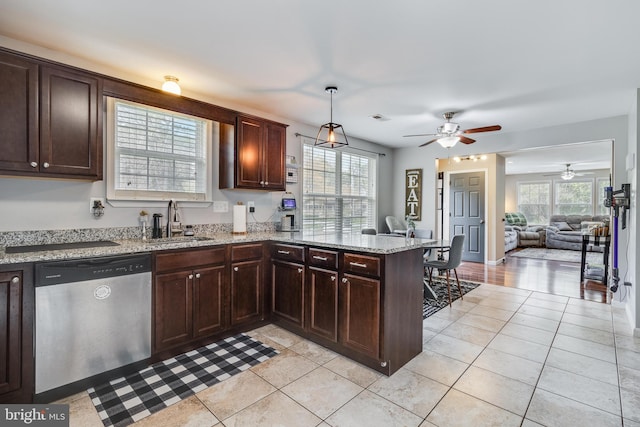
<point>92,315</point>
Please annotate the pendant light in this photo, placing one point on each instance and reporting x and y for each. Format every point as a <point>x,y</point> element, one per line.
<point>328,133</point>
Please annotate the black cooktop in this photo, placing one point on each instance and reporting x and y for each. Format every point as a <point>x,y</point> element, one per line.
<point>59,246</point>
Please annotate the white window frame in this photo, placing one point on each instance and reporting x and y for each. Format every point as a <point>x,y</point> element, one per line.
<point>572,181</point>
<point>600,209</point>
<point>119,195</point>
<point>546,182</point>
<point>373,188</point>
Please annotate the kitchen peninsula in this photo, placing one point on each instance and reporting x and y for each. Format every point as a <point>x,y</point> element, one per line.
<point>358,295</point>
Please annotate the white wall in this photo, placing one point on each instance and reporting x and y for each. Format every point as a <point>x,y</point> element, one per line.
<point>631,253</point>
<point>37,204</point>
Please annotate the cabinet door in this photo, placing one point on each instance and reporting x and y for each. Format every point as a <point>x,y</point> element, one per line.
<point>360,314</point>
<point>249,160</point>
<point>173,309</point>
<point>246,295</point>
<point>274,157</point>
<point>18,114</point>
<point>11,331</point>
<point>70,123</point>
<point>323,303</point>
<point>287,292</point>
<point>208,300</point>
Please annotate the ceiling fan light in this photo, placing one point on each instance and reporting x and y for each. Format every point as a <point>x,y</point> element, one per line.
<point>448,141</point>
<point>567,175</point>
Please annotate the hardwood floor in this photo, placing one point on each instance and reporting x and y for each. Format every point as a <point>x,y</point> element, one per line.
<point>553,277</point>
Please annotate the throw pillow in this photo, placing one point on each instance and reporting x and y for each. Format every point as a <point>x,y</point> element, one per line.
<point>563,226</point>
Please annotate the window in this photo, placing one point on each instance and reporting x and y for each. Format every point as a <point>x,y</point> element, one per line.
<point>156,154</point>
<point>574,197</point>
<point>534,199</point>
<point>339,191</point>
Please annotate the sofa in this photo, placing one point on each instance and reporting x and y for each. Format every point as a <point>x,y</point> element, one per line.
<point>528,235</point>
<point>564,231</point>
<point>510,238</point>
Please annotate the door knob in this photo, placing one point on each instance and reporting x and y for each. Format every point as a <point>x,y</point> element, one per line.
<point>482,221</point>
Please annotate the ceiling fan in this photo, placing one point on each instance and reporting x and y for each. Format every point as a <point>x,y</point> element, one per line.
<point>450,133</point>
<point>569,173</point>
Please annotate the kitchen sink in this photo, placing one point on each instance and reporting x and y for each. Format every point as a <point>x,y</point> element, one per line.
<point>59,246</point>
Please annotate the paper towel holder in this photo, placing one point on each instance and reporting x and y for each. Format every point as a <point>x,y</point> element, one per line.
<point>239,219</point>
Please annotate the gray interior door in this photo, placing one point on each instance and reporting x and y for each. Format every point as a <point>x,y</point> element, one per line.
<point>466,214</point>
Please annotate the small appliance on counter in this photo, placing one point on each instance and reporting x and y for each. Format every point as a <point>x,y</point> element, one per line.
<point>288,209</point>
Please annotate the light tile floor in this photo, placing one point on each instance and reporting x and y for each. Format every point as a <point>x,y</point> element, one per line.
<point>501,357</point>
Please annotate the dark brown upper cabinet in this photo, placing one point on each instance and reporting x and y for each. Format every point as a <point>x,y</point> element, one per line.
<point>50,120</point>
<point>255,157</point>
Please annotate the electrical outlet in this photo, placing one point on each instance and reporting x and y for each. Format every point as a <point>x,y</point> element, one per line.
<point>96,202</point>
<point>252,206</point>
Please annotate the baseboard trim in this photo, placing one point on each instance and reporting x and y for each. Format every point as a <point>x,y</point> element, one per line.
<point>496,262</point>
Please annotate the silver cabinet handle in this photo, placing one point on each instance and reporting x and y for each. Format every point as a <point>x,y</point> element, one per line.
<point>344,280</point>
<point>191,276</point>
<point>235,268</point>
<point>333,278</point>
<point>266,183</point>
<point>261,182</point>
<point>357,264</point>
<point>15,279</point>
<point>34,164</point>
<point>197,275</point>
<point>284,252</point>
<point>45,164</point>
<point>321,258</point>
<point>299,270</point>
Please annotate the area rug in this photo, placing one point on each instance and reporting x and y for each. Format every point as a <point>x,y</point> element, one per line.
<point>431,306</point>
<point>129,399</point>
<point>557,255</point>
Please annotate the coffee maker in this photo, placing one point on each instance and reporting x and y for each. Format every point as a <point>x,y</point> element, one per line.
<point>288,208</point>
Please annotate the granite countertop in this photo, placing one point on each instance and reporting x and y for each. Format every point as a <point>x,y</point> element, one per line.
<point>380,244</point>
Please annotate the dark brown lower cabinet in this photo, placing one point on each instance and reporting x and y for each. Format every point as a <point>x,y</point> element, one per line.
<point>16,333</point>
<point>188,303</point>
<point>247,300</point>
<point>288,292</point>
<point>322,310</point>
<point>359,319</point>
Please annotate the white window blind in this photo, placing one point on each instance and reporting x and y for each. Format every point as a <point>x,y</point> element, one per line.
<point>157,154</point>
<point>339,191</point>
<point>574,197</point>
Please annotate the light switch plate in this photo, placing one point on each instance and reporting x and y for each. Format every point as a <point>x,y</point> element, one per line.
<point>220,206</point>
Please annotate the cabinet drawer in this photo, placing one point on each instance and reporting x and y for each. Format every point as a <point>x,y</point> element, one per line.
<point>362,264</point>
<point>323,259</point>
<point>246,252</point>
<point>167,261</point>
<point>288,252</point>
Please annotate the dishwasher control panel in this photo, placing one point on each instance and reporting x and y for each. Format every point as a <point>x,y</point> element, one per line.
<point>69,271</point>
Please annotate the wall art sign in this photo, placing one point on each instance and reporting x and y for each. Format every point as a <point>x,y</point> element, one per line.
<point>413,194</point>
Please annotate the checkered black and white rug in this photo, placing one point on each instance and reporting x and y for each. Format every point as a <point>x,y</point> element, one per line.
<point>431,306</point>
<point>126,400</point>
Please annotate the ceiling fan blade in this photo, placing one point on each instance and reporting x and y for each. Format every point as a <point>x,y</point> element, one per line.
<point>428,142</point>
<point>483,129</point>
<point>466,140</point>
<point>420,134</point>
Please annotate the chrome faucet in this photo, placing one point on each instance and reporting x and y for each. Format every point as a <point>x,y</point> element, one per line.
<point>173,219</point>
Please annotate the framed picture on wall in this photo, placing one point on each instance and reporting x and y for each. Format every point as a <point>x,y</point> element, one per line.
<point>413,194</point>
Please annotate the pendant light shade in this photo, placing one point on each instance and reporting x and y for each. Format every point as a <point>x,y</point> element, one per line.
<point>331,134</point>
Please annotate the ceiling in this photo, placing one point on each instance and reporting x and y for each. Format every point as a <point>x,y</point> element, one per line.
<point>523,65</point>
